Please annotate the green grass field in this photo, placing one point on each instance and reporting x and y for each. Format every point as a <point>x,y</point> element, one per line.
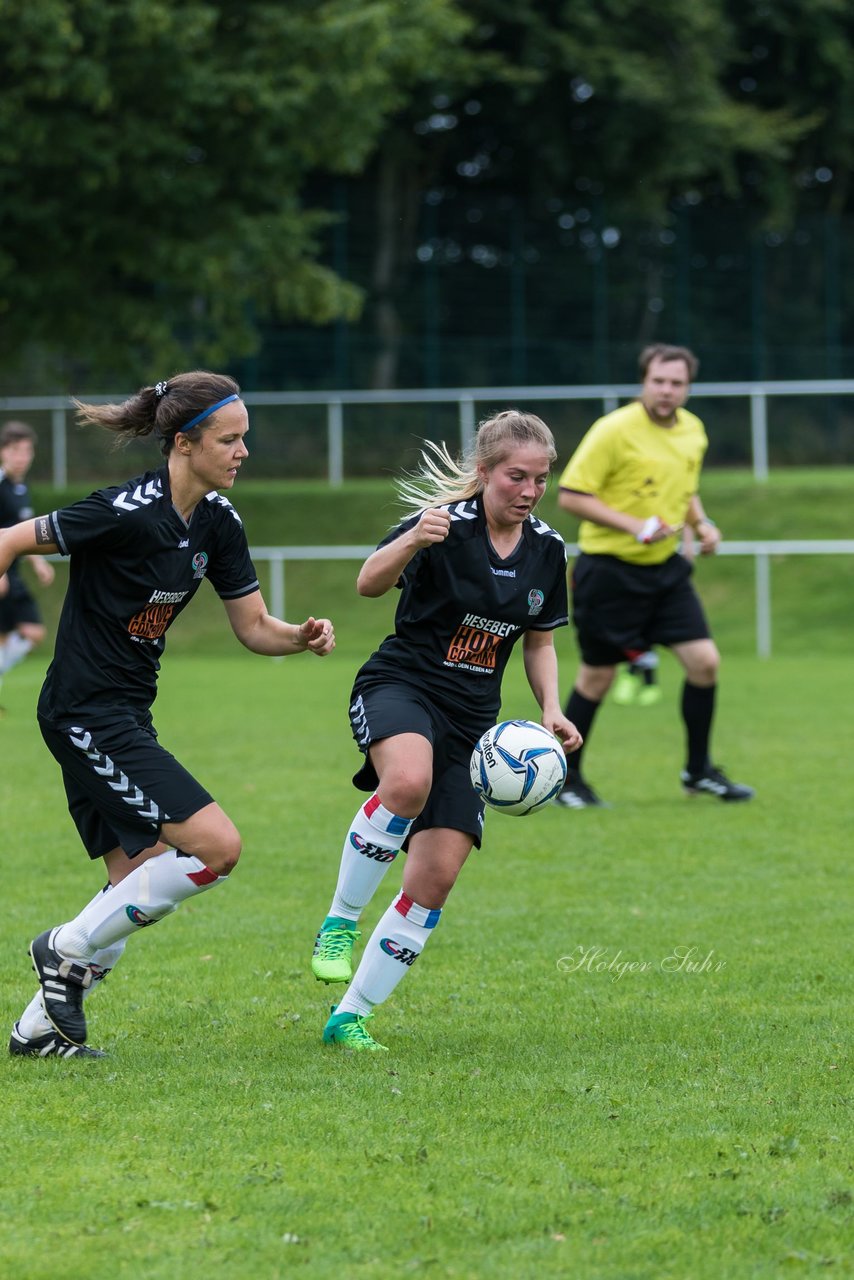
<point>623,1056</point>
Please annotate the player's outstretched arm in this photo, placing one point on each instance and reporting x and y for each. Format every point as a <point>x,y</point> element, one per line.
<point>259,631</point>
<point>30,537</point>
<point>384,566</point>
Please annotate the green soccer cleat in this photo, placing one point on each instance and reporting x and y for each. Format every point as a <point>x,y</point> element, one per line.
<point>626,688</point>
<point>348,1030</point>
<point>332,959</point>
<point>649,695</point>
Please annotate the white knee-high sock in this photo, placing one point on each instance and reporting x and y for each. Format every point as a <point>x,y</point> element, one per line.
<point>15,649</point>
<point>373,842</point>
<point>151,891</point>
<point>394,946</point>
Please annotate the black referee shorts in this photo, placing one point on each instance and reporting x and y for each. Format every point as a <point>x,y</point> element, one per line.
<point>381,709</point>
<point>120,783</point>
<point>18,606</point>
<point>620,609</point>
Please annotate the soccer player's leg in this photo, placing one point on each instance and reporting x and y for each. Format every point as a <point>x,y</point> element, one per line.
<point>394,730</point>
<point>682,622</point>
<point>373,841</point>
<point>441,840</point>
<point>123,791</point>
<point>21,627</point>
<point>608,612</point>
<point>434,860</point>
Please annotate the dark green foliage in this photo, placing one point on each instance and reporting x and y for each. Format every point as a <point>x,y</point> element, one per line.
<point>152,161</point>
<point>164,169</point>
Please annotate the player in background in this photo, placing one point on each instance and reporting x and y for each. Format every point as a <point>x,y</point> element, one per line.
<point>637,684</point>
<point>21,626</point>
<point>138,553</point>
<point>476,570</point>
<point>633,481</point>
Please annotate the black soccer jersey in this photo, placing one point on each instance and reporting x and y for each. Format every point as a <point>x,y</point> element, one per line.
<point>15,506</point>
<point>135,565</point>
<point>462,609</point>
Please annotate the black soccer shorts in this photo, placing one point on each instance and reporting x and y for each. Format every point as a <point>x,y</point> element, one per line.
<point>120,783</point>
<point>18,606</point>
<point>381,709</point>
<point>619,609</point>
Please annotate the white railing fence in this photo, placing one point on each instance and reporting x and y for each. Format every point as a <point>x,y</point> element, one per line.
<point>762,553</point>
<point>466,399</point>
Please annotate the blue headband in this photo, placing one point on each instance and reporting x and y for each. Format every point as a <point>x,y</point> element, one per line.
<point>207,412</point>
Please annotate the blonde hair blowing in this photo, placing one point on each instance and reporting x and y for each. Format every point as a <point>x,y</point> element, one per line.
<point>441,479</point>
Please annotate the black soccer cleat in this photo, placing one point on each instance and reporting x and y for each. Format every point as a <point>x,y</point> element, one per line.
<point>714,782</point>
<point>63,983</point>
<point>578,794</point>
<point>50,1045</point>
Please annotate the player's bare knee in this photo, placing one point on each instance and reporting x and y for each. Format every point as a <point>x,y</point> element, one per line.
<point>225,853</point>
<point>405,792</point>
<point>431,893</point>
<point>707,673</point>
<point>704,666</point>
<point>594,682</point>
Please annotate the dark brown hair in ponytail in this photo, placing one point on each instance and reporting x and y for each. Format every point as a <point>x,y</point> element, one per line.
<point>162,410</point>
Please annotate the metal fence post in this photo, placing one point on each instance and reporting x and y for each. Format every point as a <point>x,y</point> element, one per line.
<point>759,432</point>
<point>335,434</point>
<point>60,449</point>
<point>467,423</point>
<point>277,587</point>
<point>763,604</point>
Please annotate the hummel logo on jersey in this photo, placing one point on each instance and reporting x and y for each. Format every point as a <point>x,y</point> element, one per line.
<point>213,496</point>
<point>466,510</point>
<point>141,496</point>
<point>372,851</point>
<point>185,542</point>
<point>504,573</point>
<point>115,779</point>
<point>395,949</point>
<point>540,526</point>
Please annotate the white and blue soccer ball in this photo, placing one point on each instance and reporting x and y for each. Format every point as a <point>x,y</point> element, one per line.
<point>517,767</point>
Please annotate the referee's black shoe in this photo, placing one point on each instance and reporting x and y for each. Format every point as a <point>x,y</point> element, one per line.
<point>49,1045</point>
<point>63,982</point>
<point>578,794</point>
<point>714,782</point>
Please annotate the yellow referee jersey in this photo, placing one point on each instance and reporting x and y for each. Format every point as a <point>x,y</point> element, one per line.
<point>635,466</point>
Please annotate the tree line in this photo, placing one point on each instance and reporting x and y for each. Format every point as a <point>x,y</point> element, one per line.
<point>167,171</point>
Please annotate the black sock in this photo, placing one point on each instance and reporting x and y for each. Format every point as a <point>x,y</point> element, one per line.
<point>698,709</point>
<point>581,711</point>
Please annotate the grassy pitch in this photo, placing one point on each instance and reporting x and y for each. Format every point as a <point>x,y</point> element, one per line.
<point>622,1055</point>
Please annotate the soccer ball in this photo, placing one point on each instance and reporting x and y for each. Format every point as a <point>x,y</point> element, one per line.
<point>517,766</point>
